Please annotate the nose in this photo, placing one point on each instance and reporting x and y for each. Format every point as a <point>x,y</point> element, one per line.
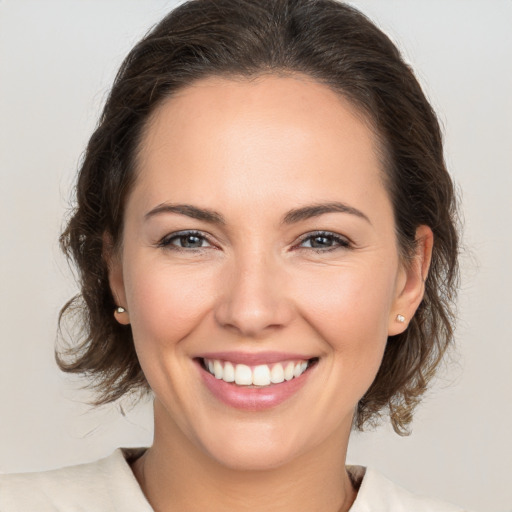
<point>252,300</point>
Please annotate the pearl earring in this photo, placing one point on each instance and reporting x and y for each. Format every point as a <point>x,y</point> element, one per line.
<point>120,310</point>
<point>400,318</point>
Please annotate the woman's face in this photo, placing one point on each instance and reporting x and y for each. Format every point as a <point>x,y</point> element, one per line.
<point>259,241</point>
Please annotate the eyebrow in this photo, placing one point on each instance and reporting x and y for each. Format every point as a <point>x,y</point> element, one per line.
<point>315,210</point>
<point>291,217</point>
<point>190,211</point>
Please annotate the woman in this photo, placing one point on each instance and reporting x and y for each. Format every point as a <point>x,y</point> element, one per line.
<point>265,235</point>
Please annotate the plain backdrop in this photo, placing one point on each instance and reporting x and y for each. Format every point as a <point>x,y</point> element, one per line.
<point>57,60</point>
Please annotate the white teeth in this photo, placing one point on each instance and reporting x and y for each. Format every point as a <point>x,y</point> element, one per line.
<point>243,375</point>
<point>288,371</point>
<point>260,375</point>
<point>229,372</point>
<point>277,374</point>
<point>218,370</point>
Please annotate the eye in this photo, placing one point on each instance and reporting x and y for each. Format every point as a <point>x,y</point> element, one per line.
<point>185,240</point>
<point>322,241</point>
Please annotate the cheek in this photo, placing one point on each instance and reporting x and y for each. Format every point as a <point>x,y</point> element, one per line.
<point>166,302</point>
<point>349,310</point>
<point>355,300</point>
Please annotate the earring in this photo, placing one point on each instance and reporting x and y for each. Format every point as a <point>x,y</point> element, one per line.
<point>400,318</point>
<point>120,310</point>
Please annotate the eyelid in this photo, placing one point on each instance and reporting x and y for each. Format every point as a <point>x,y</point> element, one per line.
<point>343,242</point>
<point>165,242</point>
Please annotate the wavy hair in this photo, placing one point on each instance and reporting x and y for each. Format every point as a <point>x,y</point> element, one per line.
<point>332,43</point>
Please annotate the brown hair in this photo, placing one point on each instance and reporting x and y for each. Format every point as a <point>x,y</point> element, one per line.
<point>332,43</point>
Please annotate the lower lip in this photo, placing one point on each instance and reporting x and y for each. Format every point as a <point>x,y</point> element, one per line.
<point>253,398</point>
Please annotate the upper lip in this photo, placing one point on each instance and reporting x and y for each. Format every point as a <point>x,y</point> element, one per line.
<point>255,358</point>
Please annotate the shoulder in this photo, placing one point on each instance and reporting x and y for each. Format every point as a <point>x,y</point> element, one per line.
<point>376,492</point>
<point>107,484</point>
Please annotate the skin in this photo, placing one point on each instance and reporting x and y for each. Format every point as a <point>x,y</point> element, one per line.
<point>252,151</point>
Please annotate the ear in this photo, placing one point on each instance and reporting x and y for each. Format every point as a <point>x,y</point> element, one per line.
<point>115,279</point>
<point>411,282</point>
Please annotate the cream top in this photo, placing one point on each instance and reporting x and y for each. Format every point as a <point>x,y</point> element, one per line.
<point>108,485</point>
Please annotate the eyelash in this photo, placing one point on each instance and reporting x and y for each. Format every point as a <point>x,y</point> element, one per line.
<point>341,242</point>
<point>166,242</point>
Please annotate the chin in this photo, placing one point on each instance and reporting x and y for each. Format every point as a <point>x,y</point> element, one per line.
<point>259,444</point>
<point>245,454</point>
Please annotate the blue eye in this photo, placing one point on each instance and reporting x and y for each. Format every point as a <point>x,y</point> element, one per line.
<point>321,241</point>
<point>185,240</point>
<point>324,241</point>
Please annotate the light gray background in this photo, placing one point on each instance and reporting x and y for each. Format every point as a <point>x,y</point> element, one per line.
<point>57,59</point>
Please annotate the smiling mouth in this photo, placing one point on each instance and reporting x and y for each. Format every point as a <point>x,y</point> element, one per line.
<point>260,375</point>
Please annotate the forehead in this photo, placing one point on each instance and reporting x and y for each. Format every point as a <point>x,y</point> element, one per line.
<point>300,101</point>
<point>287,135</point>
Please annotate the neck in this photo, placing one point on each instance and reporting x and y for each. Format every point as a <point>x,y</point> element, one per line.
<point>175,469</point>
